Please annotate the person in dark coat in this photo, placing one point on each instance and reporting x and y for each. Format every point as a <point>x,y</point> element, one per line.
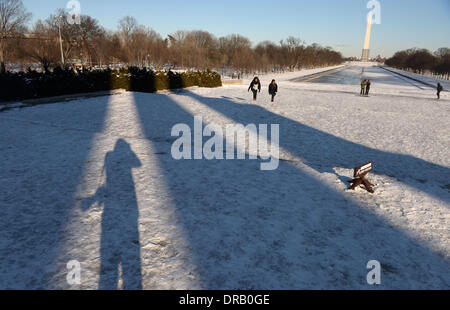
<point>273,89</point>
<point>255,86</point>
<point>368,83</point>
<point>439,89</point>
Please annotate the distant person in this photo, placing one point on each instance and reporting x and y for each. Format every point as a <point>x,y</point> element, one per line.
<point>439,89</point>
<point>363,87</point>
<point>368,83</point>
<point>255,86</point>
<point>273,89</point>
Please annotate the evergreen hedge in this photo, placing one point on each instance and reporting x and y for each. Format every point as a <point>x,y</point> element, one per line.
<point>32,84</point>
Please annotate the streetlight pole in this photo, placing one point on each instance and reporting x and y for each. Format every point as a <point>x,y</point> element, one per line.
<point>60,43</point>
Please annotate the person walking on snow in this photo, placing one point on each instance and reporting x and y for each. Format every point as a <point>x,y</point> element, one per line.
<point>363,87</point>
<point>273,89</point>
<point>368,83</point>
<point>255,86</point>
<point>439,89</point>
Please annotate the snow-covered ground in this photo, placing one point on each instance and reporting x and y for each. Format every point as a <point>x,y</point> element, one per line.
<point>93,180</point>
<point>279,77</point>
<point>289,75</point>
<point>424,78</point>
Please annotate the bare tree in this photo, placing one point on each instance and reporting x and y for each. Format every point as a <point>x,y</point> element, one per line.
<point>90,33</point>
<point>69,33</point>
<point>41,45</point>
<point>139,45</point>
<point>127,26</point>
<point>422,61</point>
<point>80,41</point>
<point>442,52</point>
<point>238,52</point>
<point>13,17</point>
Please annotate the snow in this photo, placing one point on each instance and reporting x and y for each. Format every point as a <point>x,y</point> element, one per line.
<point>424,78</point>
<point>286,75</point>
<point>93,180</point>
<point>290,75</point>
<point>11,106</point>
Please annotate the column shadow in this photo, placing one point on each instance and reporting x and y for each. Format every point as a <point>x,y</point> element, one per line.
<point>43,161</point>
<point>283,229</point>
<point>316,147</point>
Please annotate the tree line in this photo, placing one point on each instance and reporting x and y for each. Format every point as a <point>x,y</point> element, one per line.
<point>90,45</point>
<point>422,61</point>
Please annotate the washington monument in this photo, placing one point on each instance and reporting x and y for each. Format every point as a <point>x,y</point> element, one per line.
<point>366,50</point>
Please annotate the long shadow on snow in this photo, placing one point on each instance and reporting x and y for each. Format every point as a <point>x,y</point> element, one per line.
<point>38,188</point>
<point>315,147</point>
<point>120,244</point>
<point>249,229</point>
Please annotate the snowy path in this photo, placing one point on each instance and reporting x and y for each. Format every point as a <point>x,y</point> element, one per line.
<point>94,181</point>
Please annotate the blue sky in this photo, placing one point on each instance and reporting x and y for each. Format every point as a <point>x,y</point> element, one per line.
<point>337,23</point>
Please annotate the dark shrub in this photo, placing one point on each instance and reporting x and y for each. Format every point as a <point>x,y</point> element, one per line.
<point>32,84</point>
